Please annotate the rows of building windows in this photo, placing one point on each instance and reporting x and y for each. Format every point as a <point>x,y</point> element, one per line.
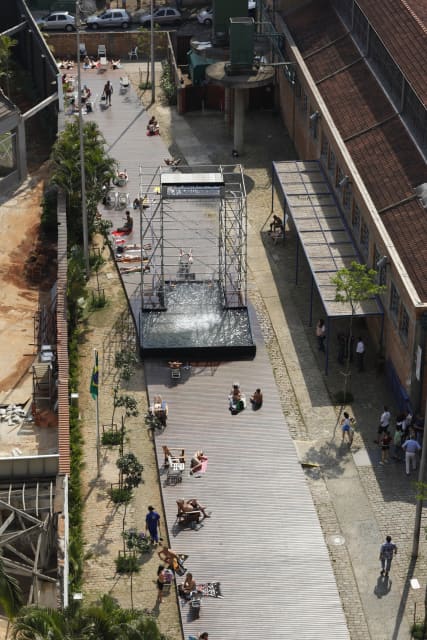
<point>361,234</point>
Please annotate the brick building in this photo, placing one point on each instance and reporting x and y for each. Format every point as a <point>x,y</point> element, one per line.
<point>356,101</point>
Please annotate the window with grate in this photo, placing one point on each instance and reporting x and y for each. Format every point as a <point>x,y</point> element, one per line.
<point>415,116</point>
<point>314,124</point>
<point>304,102</point>
<point>355,219</point>
<point>332,161</point>
<point>364,238</point>
<point>404,325</point>
<point>324,149</point>
<point>360,28</point>
<point>8,157</point>
<point>347,195</point>
<point>394,301</point>
<point>381,271</point>
<point>339,176</point>
<point>344,9</point>
<point>387,70</point>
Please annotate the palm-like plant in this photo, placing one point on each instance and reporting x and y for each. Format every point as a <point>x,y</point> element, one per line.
<point>10,593</point>
<point>106,620</point>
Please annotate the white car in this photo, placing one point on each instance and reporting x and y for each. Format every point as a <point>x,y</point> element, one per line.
<point>205,16</point>
<point>163,15</point>
<point>60,20</point>
<point>110,18</point>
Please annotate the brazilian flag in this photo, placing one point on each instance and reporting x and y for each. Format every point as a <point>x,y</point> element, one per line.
<point>94,379</point>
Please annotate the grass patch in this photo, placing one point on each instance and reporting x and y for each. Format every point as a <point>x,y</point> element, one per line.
<point>127,564</point>
<point>120,495</point>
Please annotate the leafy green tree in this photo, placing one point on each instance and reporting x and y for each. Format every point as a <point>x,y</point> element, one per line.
<point>10,593</point>
<point>6,44</point>
<point>353,286</point>
<point>99,170</point>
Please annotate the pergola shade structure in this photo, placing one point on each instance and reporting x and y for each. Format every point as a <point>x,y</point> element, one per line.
<point>322,233</point>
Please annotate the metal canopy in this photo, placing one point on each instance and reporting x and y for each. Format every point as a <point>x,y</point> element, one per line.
<point>322,231</point>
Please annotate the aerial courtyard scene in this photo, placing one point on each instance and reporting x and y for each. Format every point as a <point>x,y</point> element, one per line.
<point>213,327</point>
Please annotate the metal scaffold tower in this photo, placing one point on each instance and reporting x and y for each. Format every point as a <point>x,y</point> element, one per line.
<point>233,241</point>
<point>166,198</point>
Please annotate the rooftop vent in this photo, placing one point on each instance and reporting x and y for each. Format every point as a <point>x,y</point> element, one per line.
<point>421,192</point>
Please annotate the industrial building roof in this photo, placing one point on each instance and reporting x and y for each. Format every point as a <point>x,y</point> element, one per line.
<point>383,151</point>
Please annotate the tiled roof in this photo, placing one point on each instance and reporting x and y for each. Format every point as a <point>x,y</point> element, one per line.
<point>382,150</point>
<point>407,228</point>
<point>401,26</point>
<point>354,99</point>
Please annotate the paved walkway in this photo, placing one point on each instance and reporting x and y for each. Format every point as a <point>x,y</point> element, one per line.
<point>355,498</point>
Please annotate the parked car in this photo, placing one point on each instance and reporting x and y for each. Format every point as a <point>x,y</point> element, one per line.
<point>163,15</point>
<point>60,20</point>
<point>111,18</point>
<point>205,16</point>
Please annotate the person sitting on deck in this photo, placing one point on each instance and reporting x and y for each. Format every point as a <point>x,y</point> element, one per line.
<point>128,225</point>
<point>196,463</point>
<point>237,400</point>
<point>152,126</point>
<point>115,64</point>
<point>171,558</point>
<point>256,400</point>
<point>187,506</point>
<point>276,224</point>
<point>187,587</point>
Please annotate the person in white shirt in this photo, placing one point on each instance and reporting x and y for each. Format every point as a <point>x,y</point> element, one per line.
<point>360,354</point>
<point>384,421</point>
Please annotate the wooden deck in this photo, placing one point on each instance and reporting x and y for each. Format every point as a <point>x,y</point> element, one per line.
<point>263,542</point>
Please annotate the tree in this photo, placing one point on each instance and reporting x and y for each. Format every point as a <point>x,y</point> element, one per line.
<point>105,619</point>
<point>100,169</point>
<point>6,44</point>
<point>10,593</point>
<point>353,286</point>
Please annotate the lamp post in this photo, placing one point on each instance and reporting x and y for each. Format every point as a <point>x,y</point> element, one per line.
<point>420,497</point>
<point>82,151</point>
<point>153,70</point>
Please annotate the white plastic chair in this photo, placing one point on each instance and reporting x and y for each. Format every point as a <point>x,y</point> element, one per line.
<point>102,51</point>
<point>133,53</point>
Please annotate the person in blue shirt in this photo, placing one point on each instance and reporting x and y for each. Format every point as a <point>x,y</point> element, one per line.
<point>387,551</point>
<point>152,524</point>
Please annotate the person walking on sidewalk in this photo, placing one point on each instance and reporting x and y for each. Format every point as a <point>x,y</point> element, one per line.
<point>384,421</point>
<point>387,550</point>
<point>108,92</point>
<point>152,524</point>
<point>321,334</point>
<point>411,446</point>
<point>360,354</point>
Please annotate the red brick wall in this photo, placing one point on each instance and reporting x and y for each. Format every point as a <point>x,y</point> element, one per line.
<point>118,44</point>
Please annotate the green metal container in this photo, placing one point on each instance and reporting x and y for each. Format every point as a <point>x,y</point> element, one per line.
<point>242,32</point>
<point>223,10</point>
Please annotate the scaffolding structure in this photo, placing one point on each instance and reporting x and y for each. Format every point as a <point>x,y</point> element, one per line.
<point>28,537</point>
<point>174,249</point>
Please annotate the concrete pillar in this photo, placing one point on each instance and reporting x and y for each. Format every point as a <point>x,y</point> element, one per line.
<point>239,120</point>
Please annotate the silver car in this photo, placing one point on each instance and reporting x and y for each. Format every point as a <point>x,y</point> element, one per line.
<point>163,15</point>
<point>110,18</point>
<point>60,20</point>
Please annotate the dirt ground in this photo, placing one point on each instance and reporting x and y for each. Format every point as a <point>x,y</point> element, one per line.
<point>19,223</point>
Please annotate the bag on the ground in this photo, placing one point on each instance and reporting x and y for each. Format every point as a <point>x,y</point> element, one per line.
<point>103,97</point>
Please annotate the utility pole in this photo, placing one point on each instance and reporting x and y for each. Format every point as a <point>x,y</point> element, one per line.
<point>153,69</point>
<point>420,497</point>
<point>82,151</point>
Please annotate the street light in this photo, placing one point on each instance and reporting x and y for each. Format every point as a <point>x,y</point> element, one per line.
<point>153,70</point>
<point>82,151</point>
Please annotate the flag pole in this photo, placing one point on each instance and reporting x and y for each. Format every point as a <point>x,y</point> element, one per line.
<point>98,443</point>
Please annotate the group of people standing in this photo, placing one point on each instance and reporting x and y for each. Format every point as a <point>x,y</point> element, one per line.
<point>346,346</point>
<point>406,438</point>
